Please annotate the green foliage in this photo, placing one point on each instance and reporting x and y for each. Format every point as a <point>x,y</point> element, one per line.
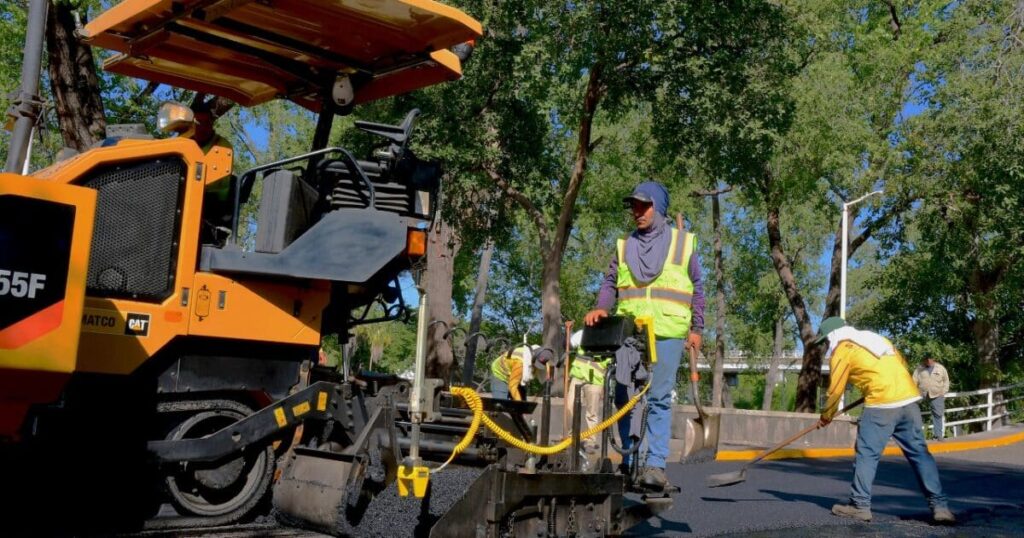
<point>391,345</point>
<point>952,286</point>
<point>796,104</point>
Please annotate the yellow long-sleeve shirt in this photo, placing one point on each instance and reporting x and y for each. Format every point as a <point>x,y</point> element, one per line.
<point>884,381</point>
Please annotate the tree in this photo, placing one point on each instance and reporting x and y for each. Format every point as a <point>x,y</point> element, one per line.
<point>73,80</point>
<point>804,104</point>
<point>954,285</point>
<point>718,384</point>
<point>599,55</point>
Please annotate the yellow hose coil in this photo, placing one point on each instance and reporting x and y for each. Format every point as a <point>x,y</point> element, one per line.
<point>476,405</point>
<point>473,401</point>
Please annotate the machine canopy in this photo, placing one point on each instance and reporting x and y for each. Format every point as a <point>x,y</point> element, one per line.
<point>254,51</point>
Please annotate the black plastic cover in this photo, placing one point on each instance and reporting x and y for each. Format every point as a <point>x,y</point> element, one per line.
<point>608,334</point>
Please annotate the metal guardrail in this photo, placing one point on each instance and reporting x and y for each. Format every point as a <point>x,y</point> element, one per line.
<point>995,409</point>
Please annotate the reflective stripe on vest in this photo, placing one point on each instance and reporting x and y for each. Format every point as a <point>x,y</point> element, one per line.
<point>669,297</point>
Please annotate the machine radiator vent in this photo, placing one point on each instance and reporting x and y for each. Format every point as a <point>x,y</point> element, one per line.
<point>134,251</point>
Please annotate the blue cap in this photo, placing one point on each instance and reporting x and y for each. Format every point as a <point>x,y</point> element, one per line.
<point>650,192</point>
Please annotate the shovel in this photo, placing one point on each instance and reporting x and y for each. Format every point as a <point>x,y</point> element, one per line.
<point>735,477</point>
<point>702,442</point>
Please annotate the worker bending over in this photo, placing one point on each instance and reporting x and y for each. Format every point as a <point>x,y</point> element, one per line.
<point>511,372</point>
<point>874,366</point>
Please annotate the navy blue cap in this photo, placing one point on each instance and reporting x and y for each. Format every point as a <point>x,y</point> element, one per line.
<point>650,192</point>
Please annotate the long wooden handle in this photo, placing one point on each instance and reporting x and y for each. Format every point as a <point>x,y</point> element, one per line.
<point>566,368</point>
<point>692,352</point>
<point>801,433</point>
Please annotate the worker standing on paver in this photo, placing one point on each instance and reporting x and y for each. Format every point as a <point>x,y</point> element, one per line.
<point>587,373</point>
<point>874,366</point>
<point>656,273</point>
<point>512,370</point>
<point>932,379</point>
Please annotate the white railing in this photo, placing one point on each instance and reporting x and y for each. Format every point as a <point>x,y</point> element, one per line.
<point>989,403</point>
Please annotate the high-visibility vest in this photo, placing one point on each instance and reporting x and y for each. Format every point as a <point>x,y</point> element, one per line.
<point>667,300</point>
<point>500,368</point>
<point>589,370</point>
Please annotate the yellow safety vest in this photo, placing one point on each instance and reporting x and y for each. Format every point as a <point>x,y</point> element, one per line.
<point>668,298</point>
<point>500,368</point>
<point>588,370</point>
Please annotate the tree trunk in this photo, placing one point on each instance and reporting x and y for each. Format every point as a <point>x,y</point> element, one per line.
<point>76,89</point>
<point>810,371</point>
<point>443,245</point>
<point>476,317</point>
<point>718,383</point>
<point>551,302</point>
<point>986,340</point>
<point>551,311</point>
<point>376,352</point>
<point>773,365</point>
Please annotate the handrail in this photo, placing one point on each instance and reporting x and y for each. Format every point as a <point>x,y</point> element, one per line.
<point>245,183</point>
<point>983,391</point>
<point>991,417</point>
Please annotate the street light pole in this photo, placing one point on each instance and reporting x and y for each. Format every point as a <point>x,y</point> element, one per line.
<point>846,241</point>
<point>842,269</point>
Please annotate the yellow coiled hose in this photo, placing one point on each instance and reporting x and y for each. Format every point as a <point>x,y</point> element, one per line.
<point>473,401</point>
<point>476,405</point>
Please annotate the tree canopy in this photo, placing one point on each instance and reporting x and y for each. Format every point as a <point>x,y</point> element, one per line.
<point>796,105</point>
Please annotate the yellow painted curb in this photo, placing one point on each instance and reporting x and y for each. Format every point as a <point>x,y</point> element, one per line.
<point>933,447</point>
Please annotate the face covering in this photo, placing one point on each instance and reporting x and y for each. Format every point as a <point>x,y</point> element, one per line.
<point>646,250</point>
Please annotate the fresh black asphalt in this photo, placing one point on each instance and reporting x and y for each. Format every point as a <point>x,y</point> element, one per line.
<point>794,498</point>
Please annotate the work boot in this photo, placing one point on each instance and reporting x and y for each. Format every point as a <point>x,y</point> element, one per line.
<point>852,512</point>
<point>943,515</point>
<point>654,478</point>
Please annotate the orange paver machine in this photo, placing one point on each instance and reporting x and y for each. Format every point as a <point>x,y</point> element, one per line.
<point>161,314</point>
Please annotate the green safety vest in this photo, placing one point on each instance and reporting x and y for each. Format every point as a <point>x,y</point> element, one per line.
<point>668,298</point>
<point>589,370</point>
<point>500,368</point>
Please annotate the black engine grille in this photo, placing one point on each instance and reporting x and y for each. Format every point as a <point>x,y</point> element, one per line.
<point>133,252</point>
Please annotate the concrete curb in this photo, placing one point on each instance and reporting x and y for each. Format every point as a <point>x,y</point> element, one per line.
<point>840,452</point>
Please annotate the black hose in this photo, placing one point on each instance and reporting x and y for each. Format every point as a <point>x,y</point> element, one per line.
<point>609,374</point>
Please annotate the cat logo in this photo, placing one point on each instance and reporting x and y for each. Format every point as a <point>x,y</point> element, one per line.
<point>137,325</point>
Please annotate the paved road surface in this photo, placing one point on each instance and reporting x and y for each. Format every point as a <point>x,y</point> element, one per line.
<point>794,498</point>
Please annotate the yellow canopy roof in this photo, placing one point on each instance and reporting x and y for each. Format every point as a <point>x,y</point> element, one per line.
<point>254,51</point>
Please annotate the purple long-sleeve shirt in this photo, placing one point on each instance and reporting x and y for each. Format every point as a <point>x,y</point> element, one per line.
<point>609,292</point>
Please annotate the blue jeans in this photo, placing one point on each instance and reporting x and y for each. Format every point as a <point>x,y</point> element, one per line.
<point>904,424</point>
<point>938,408</point>
<point>659,401</point>
<point>499,388</point>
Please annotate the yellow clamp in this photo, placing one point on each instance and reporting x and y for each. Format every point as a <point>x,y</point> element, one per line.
<point>646,324</point>
<point>416,477</point>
